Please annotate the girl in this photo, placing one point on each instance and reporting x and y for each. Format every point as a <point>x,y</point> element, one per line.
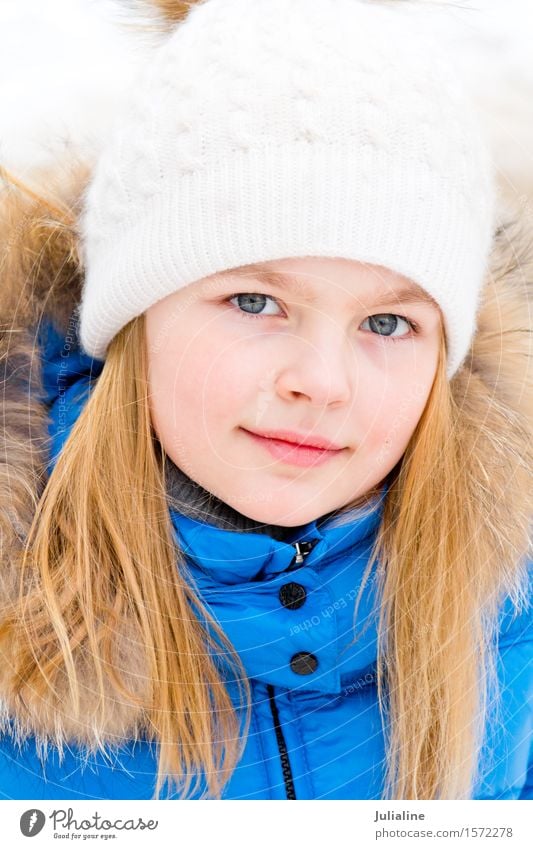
<point>267,432</point>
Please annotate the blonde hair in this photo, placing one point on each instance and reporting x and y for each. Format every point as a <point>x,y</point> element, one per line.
<point>101,549</point>
<point>441,572</point>
<point>101,552</point>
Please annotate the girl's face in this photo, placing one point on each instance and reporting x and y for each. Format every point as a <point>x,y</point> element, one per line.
<point>310,349</point>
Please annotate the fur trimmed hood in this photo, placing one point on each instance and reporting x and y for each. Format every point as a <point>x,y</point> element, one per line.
<point>42,276</point>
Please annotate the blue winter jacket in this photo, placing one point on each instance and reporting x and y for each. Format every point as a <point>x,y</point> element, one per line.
<point>287,607</point>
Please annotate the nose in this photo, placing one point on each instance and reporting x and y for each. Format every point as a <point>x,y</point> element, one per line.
<point>319,371</point>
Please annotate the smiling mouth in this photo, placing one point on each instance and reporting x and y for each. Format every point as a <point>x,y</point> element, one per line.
<point>293,453</point>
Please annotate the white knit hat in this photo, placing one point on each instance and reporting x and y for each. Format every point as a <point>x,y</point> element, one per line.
<point>268,129</point>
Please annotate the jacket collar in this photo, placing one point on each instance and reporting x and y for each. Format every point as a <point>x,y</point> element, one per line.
<point>241,578</point>
<point>233,557</point>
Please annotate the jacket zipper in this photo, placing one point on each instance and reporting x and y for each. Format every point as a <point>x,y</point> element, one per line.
<point>302,549</point>
<point>282,747</point>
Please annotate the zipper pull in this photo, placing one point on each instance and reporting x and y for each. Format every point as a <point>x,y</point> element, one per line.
<point>302,549</point>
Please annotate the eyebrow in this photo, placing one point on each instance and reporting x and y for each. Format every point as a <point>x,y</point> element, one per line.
<point>408,295</point>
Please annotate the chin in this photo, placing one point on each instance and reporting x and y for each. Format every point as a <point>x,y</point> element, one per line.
<point>284,519</point>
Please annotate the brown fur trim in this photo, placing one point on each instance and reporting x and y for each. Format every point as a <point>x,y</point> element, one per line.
<point>40,266</point>
<point>39,273</point>
<point>501,351</point>
<point>174,11</point>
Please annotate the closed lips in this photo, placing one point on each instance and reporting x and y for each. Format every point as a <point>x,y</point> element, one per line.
<point>299,441</point>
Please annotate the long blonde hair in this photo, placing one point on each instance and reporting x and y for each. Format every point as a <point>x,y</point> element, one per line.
<point>443,567</point>
<point>105,590</point>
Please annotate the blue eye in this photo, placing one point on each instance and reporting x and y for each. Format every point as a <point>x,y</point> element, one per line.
<point>386,324</point>
<point>254,302</point>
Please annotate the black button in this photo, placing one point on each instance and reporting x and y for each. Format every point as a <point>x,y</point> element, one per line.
<point>292,595</point>
<point>304,663</point>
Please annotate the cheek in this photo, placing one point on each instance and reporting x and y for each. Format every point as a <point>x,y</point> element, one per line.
<point>209,378</point>
<point>390,416</point>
